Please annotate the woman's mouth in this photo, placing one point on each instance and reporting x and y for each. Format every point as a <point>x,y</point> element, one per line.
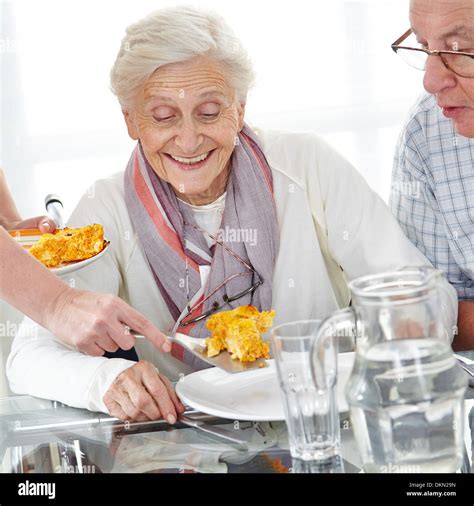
<point>190,163</point>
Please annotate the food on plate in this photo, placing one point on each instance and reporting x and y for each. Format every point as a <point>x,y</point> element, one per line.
<point>239,332</point>
<point>69,245</point>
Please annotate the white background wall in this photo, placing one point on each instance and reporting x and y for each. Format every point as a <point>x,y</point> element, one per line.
<point>322,65</point>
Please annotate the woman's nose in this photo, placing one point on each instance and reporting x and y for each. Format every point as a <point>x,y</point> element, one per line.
<point>437,76</point>
<point>188,139</point>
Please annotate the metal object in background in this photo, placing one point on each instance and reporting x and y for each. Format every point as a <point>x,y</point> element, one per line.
<point>218,432</point>
<point>54,207</point>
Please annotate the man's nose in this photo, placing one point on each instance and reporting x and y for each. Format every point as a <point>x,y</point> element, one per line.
<point>437,76</point>
<point>188,139</point>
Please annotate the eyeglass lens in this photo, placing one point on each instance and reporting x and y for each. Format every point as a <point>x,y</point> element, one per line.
<point>458,63</point>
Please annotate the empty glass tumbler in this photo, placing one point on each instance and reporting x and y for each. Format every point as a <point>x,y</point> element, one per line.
<point>311,410</point>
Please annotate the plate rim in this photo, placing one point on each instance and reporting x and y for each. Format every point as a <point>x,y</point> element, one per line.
<point>224,413</point>
<point>220,413</point>
<point>81,263</point>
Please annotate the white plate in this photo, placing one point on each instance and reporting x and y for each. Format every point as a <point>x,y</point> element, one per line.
<point>253,395</point>
<point>27,238</point>
<point>66,269</point>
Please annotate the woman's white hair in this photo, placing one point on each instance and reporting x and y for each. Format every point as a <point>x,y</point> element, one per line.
<point>174,35</point>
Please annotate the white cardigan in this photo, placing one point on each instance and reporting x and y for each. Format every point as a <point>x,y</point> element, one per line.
<point>316,192</point>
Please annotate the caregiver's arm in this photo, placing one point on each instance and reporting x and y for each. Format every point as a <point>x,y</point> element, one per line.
<point>364,238</point>
<point>42,366</point>
<point>90,322</point>
<point>38,364</point>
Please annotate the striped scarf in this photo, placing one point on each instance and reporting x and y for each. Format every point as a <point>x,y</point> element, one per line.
<point>171,244</point>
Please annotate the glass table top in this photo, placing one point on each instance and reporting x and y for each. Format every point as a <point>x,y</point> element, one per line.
<point>46,436</point>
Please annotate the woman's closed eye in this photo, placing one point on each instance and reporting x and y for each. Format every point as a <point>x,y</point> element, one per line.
<point>209,111</point>
<point>163,118</point>
<point>209,116</point>
<point>163,114</point>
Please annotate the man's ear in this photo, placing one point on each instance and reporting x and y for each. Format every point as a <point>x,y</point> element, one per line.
<point>241,112</point>
<point>132,129</point>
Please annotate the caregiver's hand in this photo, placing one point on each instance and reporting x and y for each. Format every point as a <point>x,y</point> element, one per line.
<point>141,393</point>
<point>95,323</point>
<point>44,223</point>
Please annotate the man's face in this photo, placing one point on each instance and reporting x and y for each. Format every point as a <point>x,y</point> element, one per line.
<point>447,25</point>
<point>187,119</point>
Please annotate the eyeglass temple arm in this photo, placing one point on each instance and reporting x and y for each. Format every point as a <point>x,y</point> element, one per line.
<point>401,39</point>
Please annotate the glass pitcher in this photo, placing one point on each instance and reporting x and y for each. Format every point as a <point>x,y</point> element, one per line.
<point>406,390</point>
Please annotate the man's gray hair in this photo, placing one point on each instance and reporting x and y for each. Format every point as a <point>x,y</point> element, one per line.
<point>173,35</point>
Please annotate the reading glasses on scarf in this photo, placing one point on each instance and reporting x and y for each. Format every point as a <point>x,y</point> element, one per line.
<point>459,62</point>
<point>216,305</point>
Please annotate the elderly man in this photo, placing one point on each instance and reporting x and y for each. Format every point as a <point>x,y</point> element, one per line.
<point>181,78</point>
<point>433,178</point>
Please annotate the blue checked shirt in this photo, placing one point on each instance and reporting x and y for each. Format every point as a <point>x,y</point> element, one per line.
<point>432,194</point>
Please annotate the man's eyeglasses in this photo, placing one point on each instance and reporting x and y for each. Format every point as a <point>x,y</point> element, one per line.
<point>216,305</point>
<point>459,62</point>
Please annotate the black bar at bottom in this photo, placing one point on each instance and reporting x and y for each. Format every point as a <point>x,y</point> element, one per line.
<point>238,489</point>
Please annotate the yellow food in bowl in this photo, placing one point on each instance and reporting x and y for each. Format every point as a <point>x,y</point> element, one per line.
<point>69,245</point>
<point>239,332</point>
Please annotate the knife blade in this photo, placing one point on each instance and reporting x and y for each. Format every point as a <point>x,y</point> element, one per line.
<point>223,360</point>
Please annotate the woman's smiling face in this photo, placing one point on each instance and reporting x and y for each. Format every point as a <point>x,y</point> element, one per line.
<point>187,118</point>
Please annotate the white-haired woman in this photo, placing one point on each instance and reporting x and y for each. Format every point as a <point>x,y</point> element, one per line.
<point>289,215</point>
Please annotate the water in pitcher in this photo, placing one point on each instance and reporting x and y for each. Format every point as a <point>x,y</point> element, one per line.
<point>405,407</point>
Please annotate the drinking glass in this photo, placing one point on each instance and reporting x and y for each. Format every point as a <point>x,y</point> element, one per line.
<point>310,409</point>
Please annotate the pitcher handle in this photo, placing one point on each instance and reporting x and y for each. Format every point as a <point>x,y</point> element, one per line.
<point>324,348</point>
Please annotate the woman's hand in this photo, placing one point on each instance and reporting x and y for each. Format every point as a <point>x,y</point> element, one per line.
<point>44,223</point>
<point>141,393</point>
<point>95,323</point>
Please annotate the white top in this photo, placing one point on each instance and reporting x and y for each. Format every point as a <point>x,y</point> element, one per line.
<point>317,193</point>
<point>209,216</point>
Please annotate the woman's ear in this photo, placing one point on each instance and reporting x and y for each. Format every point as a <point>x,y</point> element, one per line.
<point>132,129</point>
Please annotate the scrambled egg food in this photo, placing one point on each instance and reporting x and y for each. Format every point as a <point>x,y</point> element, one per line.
<point>69,245</point>
<point>239,332</point>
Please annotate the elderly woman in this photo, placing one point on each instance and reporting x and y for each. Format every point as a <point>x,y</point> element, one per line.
<point>208,215</point>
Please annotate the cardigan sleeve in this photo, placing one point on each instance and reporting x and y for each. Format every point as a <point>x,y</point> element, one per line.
<point>363,236</point>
